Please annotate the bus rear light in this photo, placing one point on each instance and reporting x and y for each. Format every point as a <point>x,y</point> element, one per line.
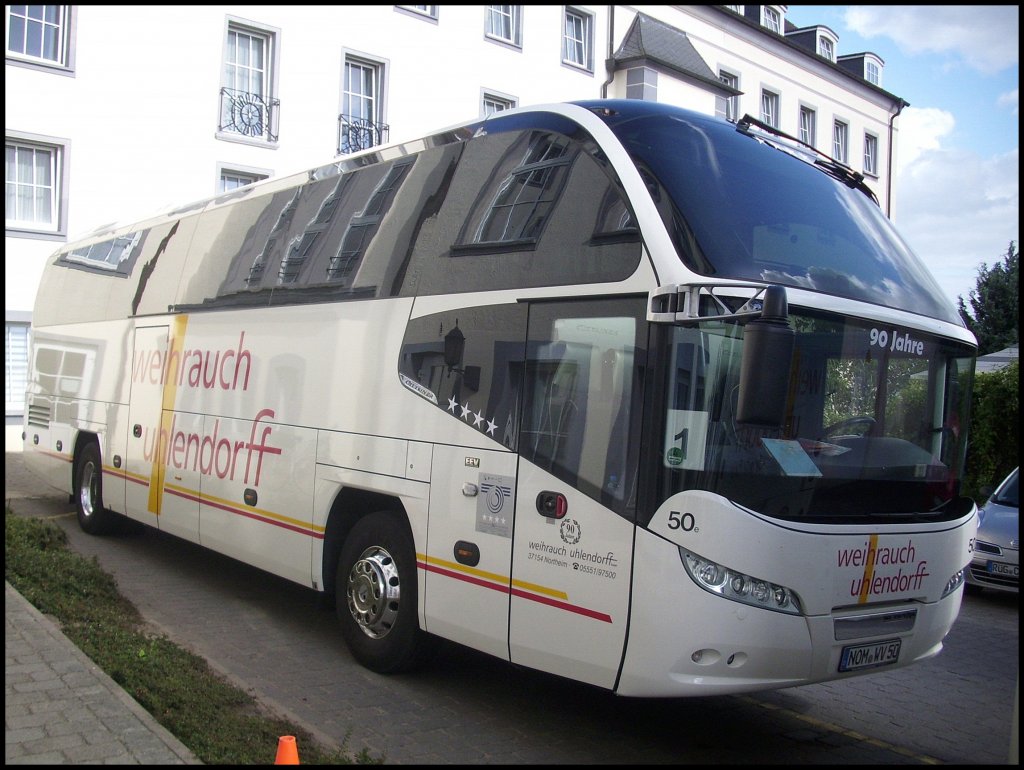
<point>739,587</point>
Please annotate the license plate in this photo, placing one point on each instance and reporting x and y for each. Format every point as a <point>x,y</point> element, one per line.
<point>999,568</point>
<point>860,656</point>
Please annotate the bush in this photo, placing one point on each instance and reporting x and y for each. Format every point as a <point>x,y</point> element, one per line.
<point>994,442</point>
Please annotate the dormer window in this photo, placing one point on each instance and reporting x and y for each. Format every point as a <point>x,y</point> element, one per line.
<point>826,48</point>
<point>771,18</point>
<point>872,73</point>
<point>865,65</point>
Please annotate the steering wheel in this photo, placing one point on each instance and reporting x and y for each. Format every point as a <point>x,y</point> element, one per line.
<point>862,424</point>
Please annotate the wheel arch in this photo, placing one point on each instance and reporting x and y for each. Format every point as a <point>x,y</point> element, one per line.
<point>350,505</point>
<point>82,439</point>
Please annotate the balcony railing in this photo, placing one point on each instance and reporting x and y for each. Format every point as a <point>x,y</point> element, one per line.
<point>249,114</point>
<point>355,134</point>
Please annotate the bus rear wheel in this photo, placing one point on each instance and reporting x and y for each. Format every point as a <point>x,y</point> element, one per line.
<point>93,517</point>
<point>377,595</point>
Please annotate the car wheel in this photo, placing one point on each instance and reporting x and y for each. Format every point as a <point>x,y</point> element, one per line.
<point>93,517</point>
<point>376,590</point>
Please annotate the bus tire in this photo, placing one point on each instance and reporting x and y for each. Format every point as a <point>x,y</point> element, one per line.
<point>376,590</point>
<point>93,517</point>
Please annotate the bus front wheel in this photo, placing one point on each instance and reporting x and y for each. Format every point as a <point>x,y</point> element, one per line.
<point>377,595</point>
<point>93,517</point>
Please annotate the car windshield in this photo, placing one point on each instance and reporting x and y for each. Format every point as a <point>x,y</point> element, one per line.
<point>1007,494</point>
<point>872,425</point>
<point>738,207</point>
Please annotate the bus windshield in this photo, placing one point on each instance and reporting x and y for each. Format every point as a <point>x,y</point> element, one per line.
<point>738,207</point>
<point>872,426</point>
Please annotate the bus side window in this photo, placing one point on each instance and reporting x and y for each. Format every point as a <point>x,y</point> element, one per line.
<point>523,208</point>
<point>580,409</point>
<point>468,363</point>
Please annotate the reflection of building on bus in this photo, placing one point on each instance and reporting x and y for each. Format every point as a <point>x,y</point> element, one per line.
<point>65,369</point>
<point>562,385</point>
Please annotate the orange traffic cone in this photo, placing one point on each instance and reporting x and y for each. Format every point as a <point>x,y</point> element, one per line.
<point>287,751</point>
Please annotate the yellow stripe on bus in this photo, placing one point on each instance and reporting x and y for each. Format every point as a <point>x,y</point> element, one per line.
<point>869,569</point>
<point>503,579</point>
<point>156,476</point>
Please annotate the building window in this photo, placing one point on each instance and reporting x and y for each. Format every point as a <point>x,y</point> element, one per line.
<point>231,179</point>
<point>504,23</point>
<point>578,39</point>
<point>770,108</point>
<point>248,106</point>
<point>428,11</point>
<point>840,141</point>
<point>871,73</point>
<point>15,366</point>
<point>35,187</point>
<point>826,48</point>
<point>871,154</point>
<point>808,126</point>
<point>361,123</point>
<point>728,106</point>
<point>492,103</point>
<point>39,34</point>
<point>771,19</point>
<point>642,83</point>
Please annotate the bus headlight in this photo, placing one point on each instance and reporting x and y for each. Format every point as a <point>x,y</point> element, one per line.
<point>730,584</point>
<point>953,583</point>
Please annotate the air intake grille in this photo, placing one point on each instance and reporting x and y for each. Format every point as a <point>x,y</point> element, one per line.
<point>39,415</point>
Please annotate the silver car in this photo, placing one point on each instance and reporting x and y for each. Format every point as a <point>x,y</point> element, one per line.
<point>996,562</point>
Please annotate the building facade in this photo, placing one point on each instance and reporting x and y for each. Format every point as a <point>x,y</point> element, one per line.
<point>114,114</point>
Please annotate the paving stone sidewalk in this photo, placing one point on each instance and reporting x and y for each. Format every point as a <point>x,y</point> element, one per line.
<point>60,708</point>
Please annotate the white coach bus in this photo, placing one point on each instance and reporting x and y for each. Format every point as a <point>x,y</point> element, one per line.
<point>608,389</point>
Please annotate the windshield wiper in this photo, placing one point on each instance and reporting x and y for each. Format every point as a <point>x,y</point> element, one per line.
<point>828,164</point>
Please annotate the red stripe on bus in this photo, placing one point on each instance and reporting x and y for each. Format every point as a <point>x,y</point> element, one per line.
<point>603,617</point>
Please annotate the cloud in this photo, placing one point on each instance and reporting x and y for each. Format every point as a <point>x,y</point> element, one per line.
<point>921,129</point>
<point>985,37</point>
<point>1009,99</point>
<point>958,210</point>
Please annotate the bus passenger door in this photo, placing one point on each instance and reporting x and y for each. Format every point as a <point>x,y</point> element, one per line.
<point>578,443</point>
<point>158,493</point>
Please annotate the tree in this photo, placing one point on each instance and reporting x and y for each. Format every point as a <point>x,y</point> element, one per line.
<point>995,304</point>
<point>994,447</point>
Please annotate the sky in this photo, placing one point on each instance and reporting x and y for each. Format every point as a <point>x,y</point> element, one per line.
<point>956,189</point>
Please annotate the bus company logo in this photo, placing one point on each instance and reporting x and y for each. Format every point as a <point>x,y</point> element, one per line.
<point>570,531</point>
<point>495,496</point>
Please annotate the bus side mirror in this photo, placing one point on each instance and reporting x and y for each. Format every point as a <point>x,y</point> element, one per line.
<point>768,344</point>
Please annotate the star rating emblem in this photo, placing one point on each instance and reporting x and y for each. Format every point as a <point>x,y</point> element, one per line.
<point>479,418</point>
